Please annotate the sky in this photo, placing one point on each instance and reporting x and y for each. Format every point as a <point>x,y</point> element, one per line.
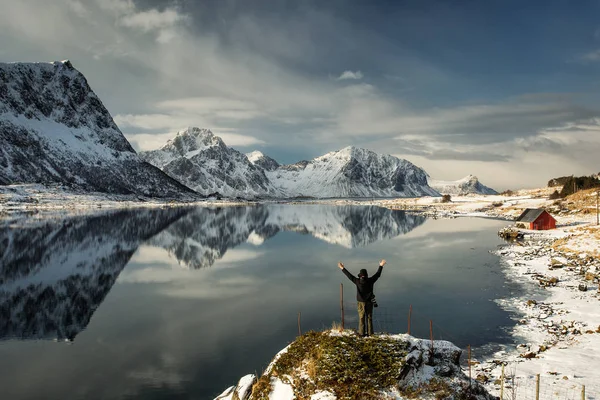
<point>506,90</point>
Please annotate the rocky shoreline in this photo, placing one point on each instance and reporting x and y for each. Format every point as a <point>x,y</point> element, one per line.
<point>559,314</point>
<point>559,318</point>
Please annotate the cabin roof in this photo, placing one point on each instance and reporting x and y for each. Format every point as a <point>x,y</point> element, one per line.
<point>530,214</point>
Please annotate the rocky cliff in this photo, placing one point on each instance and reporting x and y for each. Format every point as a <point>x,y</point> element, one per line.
<point>202,161</point>
<point>54,129</point>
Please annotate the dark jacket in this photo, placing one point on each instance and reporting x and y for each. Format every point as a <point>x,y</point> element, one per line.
<point>364,285</point>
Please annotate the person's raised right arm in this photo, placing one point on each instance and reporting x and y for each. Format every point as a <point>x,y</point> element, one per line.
<point>378,273</point>
<point>347,273</point>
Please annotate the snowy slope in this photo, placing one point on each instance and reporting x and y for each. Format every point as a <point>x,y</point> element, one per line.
<point>263,161</point>
<point>55,274</point>
<point>54,129</point>
<point>200,160</point>
<point>352,172</point>
<point>466,185</point>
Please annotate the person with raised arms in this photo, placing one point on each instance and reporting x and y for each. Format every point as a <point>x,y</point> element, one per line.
<point>364,296</point>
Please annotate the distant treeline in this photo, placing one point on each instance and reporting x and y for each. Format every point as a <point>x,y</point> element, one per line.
<point>572,184</point>
<point>558,181</point>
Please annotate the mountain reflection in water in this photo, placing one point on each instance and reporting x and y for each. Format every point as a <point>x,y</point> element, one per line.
<point>55,273</point>
<point>204,235</point>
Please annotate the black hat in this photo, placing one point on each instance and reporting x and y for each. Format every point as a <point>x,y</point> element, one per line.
<point>363,272</point>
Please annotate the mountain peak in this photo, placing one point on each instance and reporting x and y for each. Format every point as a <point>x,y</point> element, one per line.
<point>349,150</point>
<point>201,160</point>
<point>468,184</point>
<point>66,63</point>
<point>195,131</point>
<point>469,178</point>
<point>254,156</point>
<point>258,158</point>
<point>202,134</point>
<point>359,153</point>
<point>193,140</point>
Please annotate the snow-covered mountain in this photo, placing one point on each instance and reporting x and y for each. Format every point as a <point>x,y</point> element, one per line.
<point>55,274</point>
<point>352,172</point>
<point>468,184</point>
<point>54,129</point>
<point>200,160</point>
<point>265,162</point>
<point>204,235</point>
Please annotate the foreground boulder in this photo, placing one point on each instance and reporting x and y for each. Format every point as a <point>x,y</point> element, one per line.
<point>339,365</point>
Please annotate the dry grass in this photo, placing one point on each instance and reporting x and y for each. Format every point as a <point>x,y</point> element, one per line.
<point>588,235</point>
<point>589,276</point>
<point>261,388</point>
<point>349,366</point>
<point>336,326</point>
<point>310,367</point>
<point>584,200</point>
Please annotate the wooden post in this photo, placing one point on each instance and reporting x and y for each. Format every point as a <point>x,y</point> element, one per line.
<point>431,336</point>
<point>409,317</point>
<point>582,392</point>
<point>502,383</point>
<point>537,387</point>
<point>342,303</point>
<point>597,198</point>
<point>299,328</point>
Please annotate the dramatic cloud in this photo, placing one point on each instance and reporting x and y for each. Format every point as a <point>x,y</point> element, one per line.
<point>262,76</point>
<point>153,19</point>
<point>350,75</point>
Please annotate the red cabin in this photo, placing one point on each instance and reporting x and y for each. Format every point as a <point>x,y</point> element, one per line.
<point>536,219</point>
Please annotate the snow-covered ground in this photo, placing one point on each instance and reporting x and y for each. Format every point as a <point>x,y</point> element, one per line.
<point>41,199</point>
<point>559,328</point>
<point>560,324</point>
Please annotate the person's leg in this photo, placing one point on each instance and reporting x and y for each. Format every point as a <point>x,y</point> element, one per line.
<point>361,318</point>
<point>369,314</point>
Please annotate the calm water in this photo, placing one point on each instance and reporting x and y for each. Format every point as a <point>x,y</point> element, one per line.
<point>180,303</point>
